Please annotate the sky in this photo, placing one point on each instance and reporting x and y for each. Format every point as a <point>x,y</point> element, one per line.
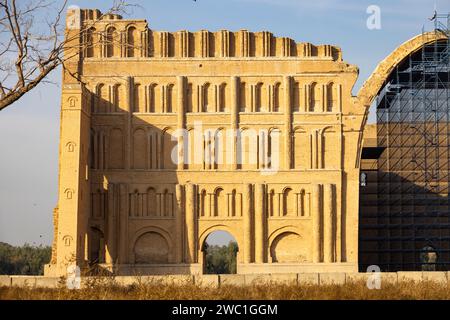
<point>29,129</point>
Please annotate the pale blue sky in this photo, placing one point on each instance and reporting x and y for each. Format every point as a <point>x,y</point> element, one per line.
<point>29,130</point>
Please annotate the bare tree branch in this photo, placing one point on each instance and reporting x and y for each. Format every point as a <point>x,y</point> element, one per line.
<point>33,43</point>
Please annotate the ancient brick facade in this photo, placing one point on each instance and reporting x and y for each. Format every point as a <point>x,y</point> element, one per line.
<point>269,139</point>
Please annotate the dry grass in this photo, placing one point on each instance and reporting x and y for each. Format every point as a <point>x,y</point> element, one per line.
<point>158,291</point>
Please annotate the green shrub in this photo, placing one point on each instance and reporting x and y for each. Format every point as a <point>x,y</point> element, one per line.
<point>23,260</point>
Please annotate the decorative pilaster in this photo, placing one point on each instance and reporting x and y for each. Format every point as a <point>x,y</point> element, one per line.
<point>247,214</point>
<point>235,85</point>
<point>339,98</point>
<point>129,88</point>
<point>181,120</point>
<point>328,223</point>
<point>320,149</point>
<point>266,43</point>
<point>204,41</point>
<point>288,122</point>
<point>224,43</point>
<point>164,44</point>
<point>260,221</point>
<point>123,224</point>
<point>316,223</point>
<point>184,44</point>
<point>286,47</point>
<point>190,223</point>
<point>111,229</point>
<point>324,104</point>
<point>179,223</point>
<point>145,43</point>
<point>245,43</point>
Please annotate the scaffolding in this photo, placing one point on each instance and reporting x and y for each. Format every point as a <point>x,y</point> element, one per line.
<point>410,228</point>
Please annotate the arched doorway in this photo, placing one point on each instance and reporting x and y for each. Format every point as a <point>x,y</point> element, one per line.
<point>97,246</point>
<point>219,251</point>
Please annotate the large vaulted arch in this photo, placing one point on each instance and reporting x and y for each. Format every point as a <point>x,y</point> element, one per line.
<point>374,83</point>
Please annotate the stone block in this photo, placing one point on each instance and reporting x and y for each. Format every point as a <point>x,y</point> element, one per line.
<point>356,277</point>
<point>47,282</point>
<point>207,280</point>
<point>257,279</point>
<point>23,281</point>
<point>332,278</point>
<point>232,279</point>
<point>308,278</point>
<point>284,278</point>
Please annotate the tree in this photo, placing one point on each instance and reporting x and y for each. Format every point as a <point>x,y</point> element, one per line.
<point>33,42</point>
<point>23,260</point>
<point>221,259</point>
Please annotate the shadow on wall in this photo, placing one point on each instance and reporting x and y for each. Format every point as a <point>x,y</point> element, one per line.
<point>404,224</point>
<point>133,183</point>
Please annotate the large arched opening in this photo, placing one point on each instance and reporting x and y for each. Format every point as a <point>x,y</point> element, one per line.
<point>219,253</point>
<point>97,246</point>
<point>404,159</point>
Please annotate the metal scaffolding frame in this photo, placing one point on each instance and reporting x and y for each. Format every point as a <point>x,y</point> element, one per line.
<point>411,227</point>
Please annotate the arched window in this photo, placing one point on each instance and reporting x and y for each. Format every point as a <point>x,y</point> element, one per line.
<point>331,97</point>
<point>101,98</point>
<point>118,98</point>
<point>110,42</point>
<point>137,98</point>
<point>270,204</point>
<point>242,97</point>
<point>167,203</point>
<point>288,202</point>
<point>151,98</point>
<point>90,42</point>
<point>189,98</point>
<point>258,98</point>
<point>203,203</point>
<point>219,202</point>
<point>222,97</point>
<point>273,148</point>
<point>276,97</point>
<point>313,96</point>
<point>233,203</point>
<point>131,42</point>
<point>205,97</point>
<point>219,151</point>
<point>169,98</point>
<point>296,97</point>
